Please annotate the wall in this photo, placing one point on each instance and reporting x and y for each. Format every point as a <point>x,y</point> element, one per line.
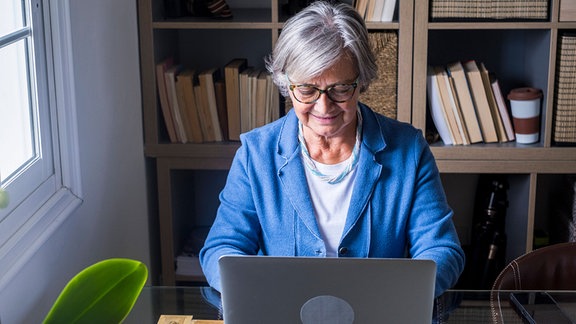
<point>113,220</point>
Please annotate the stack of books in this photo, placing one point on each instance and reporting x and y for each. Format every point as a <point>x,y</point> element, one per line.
<point>467,104</point>
<point>376,10</point>
<point>210,106</point>
<point>485,9</point>
<point>565,110</point>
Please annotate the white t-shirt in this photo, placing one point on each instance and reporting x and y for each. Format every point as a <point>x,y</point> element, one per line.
<point>331,202</point>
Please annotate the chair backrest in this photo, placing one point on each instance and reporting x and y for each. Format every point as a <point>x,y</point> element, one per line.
<point>548,268</point>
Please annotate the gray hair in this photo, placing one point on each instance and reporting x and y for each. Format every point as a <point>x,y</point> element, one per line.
<point>315,38</point>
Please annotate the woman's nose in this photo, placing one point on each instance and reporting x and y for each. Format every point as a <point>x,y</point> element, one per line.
<point>323,103</point>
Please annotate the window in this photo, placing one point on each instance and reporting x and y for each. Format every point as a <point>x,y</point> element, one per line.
<point>39,178</point>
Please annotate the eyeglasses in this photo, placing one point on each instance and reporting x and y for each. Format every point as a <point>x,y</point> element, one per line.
<point>308,94</point>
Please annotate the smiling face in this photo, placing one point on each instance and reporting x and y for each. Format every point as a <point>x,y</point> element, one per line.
<point>326,118</point>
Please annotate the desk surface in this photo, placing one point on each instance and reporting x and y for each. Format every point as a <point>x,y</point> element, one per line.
<point>455,306</point>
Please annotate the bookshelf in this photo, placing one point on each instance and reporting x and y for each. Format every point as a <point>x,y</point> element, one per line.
<point>522,52</point>
<point>185,179</point>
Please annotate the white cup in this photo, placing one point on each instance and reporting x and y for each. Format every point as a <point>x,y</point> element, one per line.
<point>525,106</point>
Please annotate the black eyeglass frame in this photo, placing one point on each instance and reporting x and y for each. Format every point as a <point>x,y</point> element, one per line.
<point>321,91</point>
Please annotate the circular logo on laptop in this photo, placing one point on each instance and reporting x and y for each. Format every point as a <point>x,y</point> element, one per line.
<point>326,309</point>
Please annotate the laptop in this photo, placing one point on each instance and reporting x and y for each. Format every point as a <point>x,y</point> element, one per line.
<point>311,290</point>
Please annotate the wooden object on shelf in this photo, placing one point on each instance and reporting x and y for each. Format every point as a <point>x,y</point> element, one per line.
<point>452,111</point>
<point>272,100</point>
<point>245,98</point>
<point>161,68</point>
<point>185,81</point>
<point>209,109</point>
<point>183,111</point>
<point>170,79</point>
<point>456,71</point>
<point>459,117</point>
<point>480,99</point>
<point>496,116</point>
<point>260,104</point>
<point>232,79</point>
<point>221,107</point>
<point>361,6</point>
<point>252,93</point>
<point>503,109</point>
<point>203,115</point>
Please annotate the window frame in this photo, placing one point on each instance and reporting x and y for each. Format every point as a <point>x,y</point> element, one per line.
<point>28,226</point>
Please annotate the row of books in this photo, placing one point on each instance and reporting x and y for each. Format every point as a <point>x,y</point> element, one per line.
<point>376,10</point>
<point>211,106</point>
<point>565,113</point>
<point>467,104</point>
<point>253,96</point>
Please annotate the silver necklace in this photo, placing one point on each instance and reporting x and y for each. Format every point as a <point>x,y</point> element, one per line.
<point>352,161</point>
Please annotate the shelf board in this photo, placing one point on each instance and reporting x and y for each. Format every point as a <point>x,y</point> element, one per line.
<point>508,167</point>
<point>382,25</point>
<point>225,150</point>
<point>483,158</point>
<point>567,25</point>
<point>504,152</point>
<point>500,158</point>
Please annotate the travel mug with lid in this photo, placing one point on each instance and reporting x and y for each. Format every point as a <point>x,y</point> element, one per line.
<point>525,106</point>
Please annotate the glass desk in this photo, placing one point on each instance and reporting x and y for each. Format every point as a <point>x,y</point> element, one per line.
<point>454,306</point>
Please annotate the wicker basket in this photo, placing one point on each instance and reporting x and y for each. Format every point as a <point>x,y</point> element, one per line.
<point>483,9</point>
<point>381,95</point>
<point>565,96</point>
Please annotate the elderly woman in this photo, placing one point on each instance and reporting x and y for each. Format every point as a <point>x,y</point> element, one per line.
<point>332,178</point>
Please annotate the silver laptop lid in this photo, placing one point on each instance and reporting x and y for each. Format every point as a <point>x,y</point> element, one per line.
<point>265,289</point>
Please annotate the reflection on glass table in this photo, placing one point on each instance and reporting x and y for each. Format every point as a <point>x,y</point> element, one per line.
<point>454,306</point>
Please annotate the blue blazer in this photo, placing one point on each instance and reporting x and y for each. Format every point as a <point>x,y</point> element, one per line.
<point>398,206</point>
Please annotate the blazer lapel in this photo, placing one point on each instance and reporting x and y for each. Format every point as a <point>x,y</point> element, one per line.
<point>292,175</point>
<point>369,169</point>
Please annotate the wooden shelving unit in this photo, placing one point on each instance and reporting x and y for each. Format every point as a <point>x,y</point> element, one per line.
<point>189,176</point>
<point>522,53</point>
